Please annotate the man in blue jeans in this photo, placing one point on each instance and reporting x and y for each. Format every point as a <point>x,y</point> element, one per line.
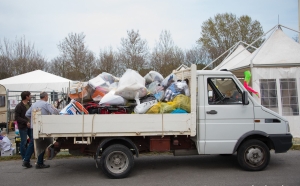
<point>46,109</point>
<point>23,122</point>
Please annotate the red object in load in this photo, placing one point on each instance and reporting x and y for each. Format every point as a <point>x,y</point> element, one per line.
<point>94,108</point>
<point>113,110</point>
<point>80,107</point>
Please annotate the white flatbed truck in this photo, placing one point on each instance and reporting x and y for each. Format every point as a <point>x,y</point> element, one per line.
<point>219,123</point>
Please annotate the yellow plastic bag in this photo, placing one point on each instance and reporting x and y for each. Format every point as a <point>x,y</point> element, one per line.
<point>160,107</point>
<point>181,101</point>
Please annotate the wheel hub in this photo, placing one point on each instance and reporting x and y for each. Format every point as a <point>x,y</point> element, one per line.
<point>255,156</point>
<point>117,161</point>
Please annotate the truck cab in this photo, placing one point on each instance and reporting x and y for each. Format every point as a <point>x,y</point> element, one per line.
<point>230,121</point>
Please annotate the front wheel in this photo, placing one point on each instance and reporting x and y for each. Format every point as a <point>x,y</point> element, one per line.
<point>253,155</point>
<point>117,161</point>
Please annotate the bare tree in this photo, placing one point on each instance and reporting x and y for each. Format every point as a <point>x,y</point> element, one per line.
<point>19,57</point>
<point>133,52</point>
<point>196,55</point>
<point>75,59</point>
<point>108,62</point>
<point>58,67</point>
<point>166,56</point>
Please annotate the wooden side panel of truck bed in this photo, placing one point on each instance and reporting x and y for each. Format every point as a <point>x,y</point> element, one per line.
<point>113,125</point>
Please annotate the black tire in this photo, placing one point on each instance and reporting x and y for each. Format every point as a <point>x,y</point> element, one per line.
<point>117,161</point>
<point>225,155</point>
<point>253,155</point>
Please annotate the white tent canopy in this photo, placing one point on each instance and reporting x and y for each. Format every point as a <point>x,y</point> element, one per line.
<point>37,80</point>
<point>275,68</point>
<point>234,58</point>
<point>277,51</point>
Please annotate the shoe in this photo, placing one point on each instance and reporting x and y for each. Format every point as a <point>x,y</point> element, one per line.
<point>26,164</point>
<point>42,166</point>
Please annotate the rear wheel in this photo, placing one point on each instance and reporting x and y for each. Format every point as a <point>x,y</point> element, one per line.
<point>253,155</point>
<point>117,161</point>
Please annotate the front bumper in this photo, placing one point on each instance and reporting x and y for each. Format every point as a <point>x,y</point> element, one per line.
<point>281,142</point>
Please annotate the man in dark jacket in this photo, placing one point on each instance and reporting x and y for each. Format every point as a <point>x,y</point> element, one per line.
<point>23,121</point>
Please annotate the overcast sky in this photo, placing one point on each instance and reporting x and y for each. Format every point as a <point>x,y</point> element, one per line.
<point>105,22</point>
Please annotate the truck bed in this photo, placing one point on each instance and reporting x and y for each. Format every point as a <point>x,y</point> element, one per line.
<point>101,125</point>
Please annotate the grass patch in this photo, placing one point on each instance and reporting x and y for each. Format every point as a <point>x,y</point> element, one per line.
<point>295,147</point>
<point>7,158</point>
<point>18,157</point>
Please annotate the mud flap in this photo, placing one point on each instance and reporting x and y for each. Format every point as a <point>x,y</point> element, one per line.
<point>41,145</point>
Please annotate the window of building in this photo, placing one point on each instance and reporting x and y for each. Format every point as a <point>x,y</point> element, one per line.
<point>268,94</point>
<point>289,97</point>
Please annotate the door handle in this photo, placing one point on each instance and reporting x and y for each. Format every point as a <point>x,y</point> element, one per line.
<point>212,112</point>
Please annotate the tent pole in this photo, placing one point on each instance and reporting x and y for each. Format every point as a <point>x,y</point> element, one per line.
<point>217,58</point>
<point>242,50</point>
<point>290,28</point>
<point>233,48</point>
<point>248,44</point>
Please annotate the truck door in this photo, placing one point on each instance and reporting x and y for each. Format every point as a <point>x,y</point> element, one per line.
<point>226,118</point>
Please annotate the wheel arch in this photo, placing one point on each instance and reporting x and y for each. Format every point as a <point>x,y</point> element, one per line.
<point>117,140</point>
<point>259,135</point>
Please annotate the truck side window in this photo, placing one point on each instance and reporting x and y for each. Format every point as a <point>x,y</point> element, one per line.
<point>223,91</point>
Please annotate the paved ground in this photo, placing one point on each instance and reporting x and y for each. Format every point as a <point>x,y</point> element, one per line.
<point>206,170</point>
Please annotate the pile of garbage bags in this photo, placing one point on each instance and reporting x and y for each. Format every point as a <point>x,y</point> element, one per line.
<point>132,93</point>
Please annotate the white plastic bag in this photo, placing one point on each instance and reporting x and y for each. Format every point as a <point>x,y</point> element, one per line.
<point>175,89</point>
<point>144,104</point>
<point>144,107</point>
<point>97,81</point>
<point>5,144</point>
<point>112,99</point>
<point>108,78</point>
<point>153,76</point>
<point>157,90</point>
<point>130,84</point>
<point>169,80</point>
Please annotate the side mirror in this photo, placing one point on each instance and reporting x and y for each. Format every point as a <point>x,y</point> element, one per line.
<point>245,99</point>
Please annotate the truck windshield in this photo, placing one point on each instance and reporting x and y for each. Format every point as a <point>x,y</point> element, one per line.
<point>223,91</point>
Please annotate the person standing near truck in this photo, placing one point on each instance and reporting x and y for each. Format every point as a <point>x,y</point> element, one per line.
<point>23,121</point>
<point>46,109</point>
